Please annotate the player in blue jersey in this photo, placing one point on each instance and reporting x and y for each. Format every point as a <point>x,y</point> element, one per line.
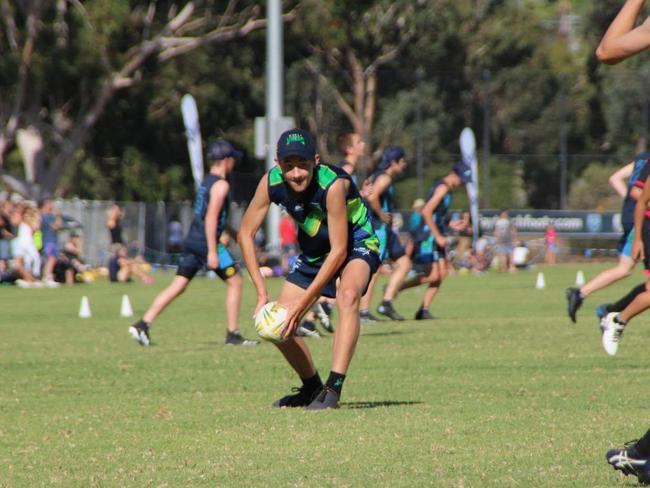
<point>628,182</point>
<point>336,240</point>
<point>430,255</point>
<point>202,248</point>
<point>381,202</point>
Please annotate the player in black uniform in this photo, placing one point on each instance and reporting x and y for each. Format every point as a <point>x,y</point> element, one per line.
<point>202,248</point>
<point>336,241</point>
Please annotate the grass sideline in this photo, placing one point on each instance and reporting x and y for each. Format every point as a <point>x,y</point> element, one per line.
<point>500,391</point>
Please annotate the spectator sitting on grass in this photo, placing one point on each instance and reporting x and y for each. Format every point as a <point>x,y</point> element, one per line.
<point>121,268</point>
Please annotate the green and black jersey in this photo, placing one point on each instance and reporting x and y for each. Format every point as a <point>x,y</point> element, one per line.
<point>309,210</point>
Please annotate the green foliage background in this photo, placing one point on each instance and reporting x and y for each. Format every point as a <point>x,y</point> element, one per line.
<point>466,58</point>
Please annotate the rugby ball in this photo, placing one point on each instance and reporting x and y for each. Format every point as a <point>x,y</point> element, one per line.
<point>269,322</point>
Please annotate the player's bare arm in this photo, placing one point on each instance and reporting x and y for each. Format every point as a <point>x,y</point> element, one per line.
<point>218,194</point>
<point>427,213</point>
<point>337,223</point>
<point>378,188</point>
<point>251,222</point>
<point>618,180</point>
<point>622,39</point>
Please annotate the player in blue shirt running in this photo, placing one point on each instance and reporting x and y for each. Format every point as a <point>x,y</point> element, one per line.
<point>336,241</point>
<point>201,248</point>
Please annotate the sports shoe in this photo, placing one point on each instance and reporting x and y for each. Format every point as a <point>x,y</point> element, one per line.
<point>140,332</point>
<point>50,283</point>
<point>574,301</point>
<point>386,308</point>
<point>601,313</point>
<point>236,339</point>
<point>423,314</point>
<point>307,329</point>
<point>301,398</point>
<point>366,318</point>
<point>629,462</point>
<point>612,333</point>
<point>323,317</point>
<point>327,398</point>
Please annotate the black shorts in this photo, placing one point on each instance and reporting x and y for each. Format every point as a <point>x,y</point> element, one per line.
<point>192,260</point>
<point>304,271</point>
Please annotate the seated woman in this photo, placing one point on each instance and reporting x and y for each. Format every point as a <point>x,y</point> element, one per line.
<point>121,268</point>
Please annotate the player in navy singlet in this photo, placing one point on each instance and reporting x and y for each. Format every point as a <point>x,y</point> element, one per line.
<point>628,182</point>
<point>336,240</point>
<point>392,164</point>
<point>201,248</point>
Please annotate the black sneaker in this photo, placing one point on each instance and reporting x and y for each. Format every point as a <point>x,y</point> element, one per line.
<point>327,306</point>
<point>301,398</point>
<point>386,308</point>
<point>366,318</point>
<point>629,462</point>
<point>327,398</point>
<point>140,332</point>
<point>307,329</point>
<point>236,339</point>
<point>423,314</point>
<point>323,317</point>
<point>574,301</point>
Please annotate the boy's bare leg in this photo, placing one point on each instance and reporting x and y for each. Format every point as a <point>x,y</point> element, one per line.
<point>348,297</point>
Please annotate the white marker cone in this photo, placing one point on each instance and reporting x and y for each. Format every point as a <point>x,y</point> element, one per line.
<point>580,278</point>
<point>541,284</point>
<point>84,309</point>
<point>126,310</point>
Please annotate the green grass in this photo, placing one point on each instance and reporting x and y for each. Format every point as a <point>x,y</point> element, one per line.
<point>500,391</point>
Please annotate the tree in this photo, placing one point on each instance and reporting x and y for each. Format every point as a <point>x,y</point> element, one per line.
<point>63,62</point>
<point>345,44</point>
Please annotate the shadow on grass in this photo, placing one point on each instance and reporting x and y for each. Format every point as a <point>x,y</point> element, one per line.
<point>379,334</point>
<point>384,403</point>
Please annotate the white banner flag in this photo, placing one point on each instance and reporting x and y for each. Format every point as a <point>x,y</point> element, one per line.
<point>468,152</point>
<point>193,134</point>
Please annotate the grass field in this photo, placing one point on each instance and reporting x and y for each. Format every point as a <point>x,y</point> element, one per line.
<point>500,391</point>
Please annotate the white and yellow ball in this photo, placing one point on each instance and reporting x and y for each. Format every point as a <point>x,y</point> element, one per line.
<point>269,322</point>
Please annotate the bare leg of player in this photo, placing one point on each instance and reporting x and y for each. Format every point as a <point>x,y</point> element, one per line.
<point>348,297</point>
<point>165,297</point>
<point>402,267</point>
<point>437,275</point>
<point>622,270</point>
<point>233,300</point>
<point>294,349</point>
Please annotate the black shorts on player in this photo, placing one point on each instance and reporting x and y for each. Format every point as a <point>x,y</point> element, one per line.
<point>193,260</point>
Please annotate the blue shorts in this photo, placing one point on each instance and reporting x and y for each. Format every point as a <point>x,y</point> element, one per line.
<point>192,260</point>
<point>428,251</point>
<point>303,272</point>
<point>624,246</point>
<point>51,249</point>
<point>390,246</point>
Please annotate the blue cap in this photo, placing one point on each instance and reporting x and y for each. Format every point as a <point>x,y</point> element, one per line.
<point>391,153</point>
<point>222,149</point>
<point>296,142</point>
<point>463,171</point>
